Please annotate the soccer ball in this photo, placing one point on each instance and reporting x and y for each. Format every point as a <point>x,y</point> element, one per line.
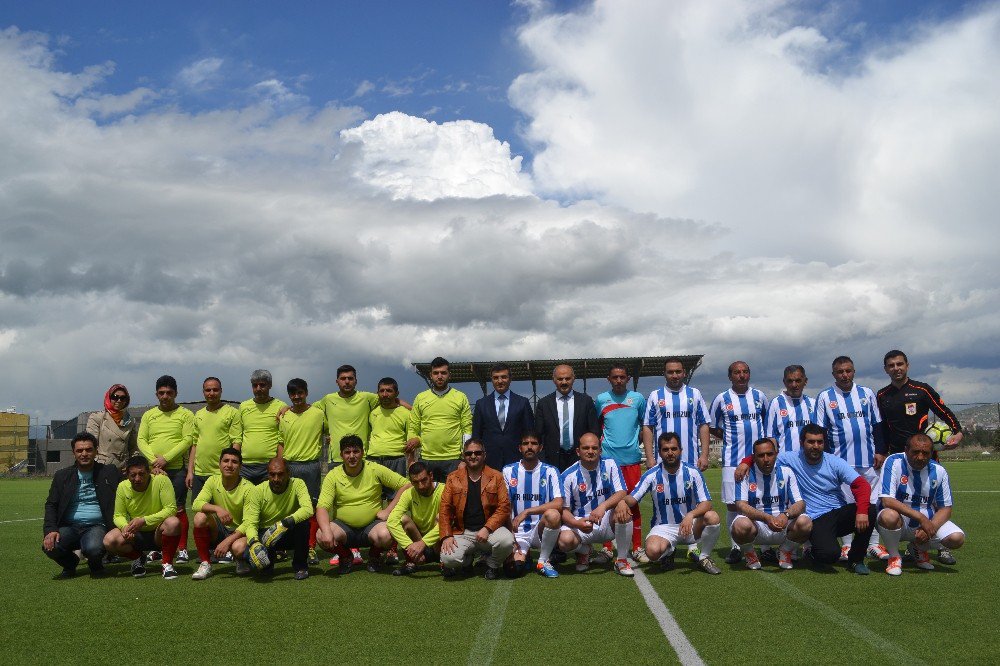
<point>940,433</point>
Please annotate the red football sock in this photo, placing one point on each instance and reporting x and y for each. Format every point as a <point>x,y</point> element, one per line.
<point>313,528</point>
<point>636,528</point>
<point>202,541</point>
<point>346,557</point>
<point>183,516</point>
<point>169,548</point>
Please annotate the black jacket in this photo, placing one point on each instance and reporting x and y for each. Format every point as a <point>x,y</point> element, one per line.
<point>64,486</point>
<point>547,423</point>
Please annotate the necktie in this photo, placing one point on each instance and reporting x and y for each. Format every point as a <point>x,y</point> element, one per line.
<point>566,444</point>
<point>502,411</point>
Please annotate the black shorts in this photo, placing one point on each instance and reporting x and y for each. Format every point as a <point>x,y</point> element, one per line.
<point>309,472</point>
<point>357,537</point>
<point>146,541</point>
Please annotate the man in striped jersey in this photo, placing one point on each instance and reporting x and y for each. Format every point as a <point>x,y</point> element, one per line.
<point>790,410</point>
<point>594,510</point>
<point>773,511</point>
<point>738,415</point>
<point>682,507</point>
<point>678,408</point>
<point>851,417</point>
<point>915,496</point>
<point>536,504</point>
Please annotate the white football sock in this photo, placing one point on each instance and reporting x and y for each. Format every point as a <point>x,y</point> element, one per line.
<point>706,543</point>
<point>623,539</point>
<point>549,538</point>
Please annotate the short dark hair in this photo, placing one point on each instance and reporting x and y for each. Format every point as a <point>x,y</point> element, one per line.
<point>811,429</point>
<point>918,437</point>
<point>729,372</point>
<point>789,369</point>
<point>82,437</point>
<point>168,381</point>
<point>231,451</point>
<point>667,436</point>
<point>617,365</point>
<point>530,433</point>
<point>841,359</point>
<point>766,440</point>
<point>346,368</point>
<point>672,359</point>
<point>137,461</point>
<point>211,379</point>
<point>893,353</point>
<point>416,468</point>
<point>351,442</point>
<point>389,381</point>
<point>297,384</point>
<point>473,440</point>
<point>438,362</point>
<point>499,367</point>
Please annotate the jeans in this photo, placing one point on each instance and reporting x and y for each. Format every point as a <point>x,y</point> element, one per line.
<point>89,540</point>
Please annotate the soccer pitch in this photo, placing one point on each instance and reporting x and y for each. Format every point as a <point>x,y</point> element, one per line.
<point>597,617</point>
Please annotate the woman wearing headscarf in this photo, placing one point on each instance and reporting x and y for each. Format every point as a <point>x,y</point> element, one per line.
<point>115,429</point>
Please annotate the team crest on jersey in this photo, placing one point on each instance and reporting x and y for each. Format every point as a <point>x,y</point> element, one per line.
<point>753,487</point>
<point>583,487</point>
<point>934,483</point>
<point>662,403</point>
<point>833,405</point>
<point>729,406</point>
<point>781,484</point>
<point>911,409</point>
<point>904,479</point>
<point>605,476</point>
<point>689,485</point>
<point>541,484</point>
<point>513,482</point>
<point>659,487</point>
<point>783,413</point>
<point>629,402</point>
<point>864,401</point>
<point>690,401</point>
<point>758,404</point>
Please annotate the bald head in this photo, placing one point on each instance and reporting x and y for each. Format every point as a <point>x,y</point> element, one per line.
<point>277,475</point>
<point>563,377</point>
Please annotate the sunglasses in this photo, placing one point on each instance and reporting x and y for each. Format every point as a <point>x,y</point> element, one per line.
<point>472,454</point>
<point>119,398</point>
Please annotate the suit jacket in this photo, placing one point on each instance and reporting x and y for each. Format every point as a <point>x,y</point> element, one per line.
<point>547,423</point>
<point>62,492</point>
<point>502,445</point>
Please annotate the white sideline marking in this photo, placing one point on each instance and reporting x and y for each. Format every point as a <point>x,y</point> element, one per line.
<point>686,653</point>
<point>976,491</point>
<point>889,649</point>
<point>19,520</point>
<point>485,645</point>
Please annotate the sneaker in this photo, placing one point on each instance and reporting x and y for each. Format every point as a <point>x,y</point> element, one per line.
<point>374,564</point>
<point>345,567</point>
<point>138,568</point>
<point>769,556</point>
<point>911,553</point>
<point>624,568</point>
<point>735,555</point>
<point>558,557</point>
<point>302,574</point>
<point>785,559</point>
<point>65,574</point>
<point>335,561</point>
<point>391,556</point>
<point>492,573</point>
<point>878,551</point>
<point>242,568</point>
<point>169,573</point>
<point>582,562</point>
<point>405,570</point>
<point>694,553</point>
<point>895,566</point>
<point>924,560</point>
<point>203,572</point>
<point>448,572</point>
<point>945,557</point>
<point>603,556</point>
<point>844,550</point>
<point>753,562</point>
<point>708,566</point>
<point>859,568</point>
<point>547,570</point>
<point>358,560</point>
<point>227,559</point>
<point>182,555</point>
<point>313,557</point>
<point>639,555</point>
<point>153,556</point>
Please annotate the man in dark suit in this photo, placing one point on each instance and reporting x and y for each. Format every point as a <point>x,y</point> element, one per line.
<point>500,418</point>
<point>562,417</point>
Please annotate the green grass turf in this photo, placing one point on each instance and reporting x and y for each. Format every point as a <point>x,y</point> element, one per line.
<point>781,617</point>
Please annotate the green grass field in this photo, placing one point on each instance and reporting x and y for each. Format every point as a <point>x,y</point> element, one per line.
<point>741,616</point>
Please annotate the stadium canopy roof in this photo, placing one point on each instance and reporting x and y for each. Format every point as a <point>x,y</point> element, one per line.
<point>541,369</point>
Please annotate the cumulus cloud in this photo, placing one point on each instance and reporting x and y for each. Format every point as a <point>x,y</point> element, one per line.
<point>200,74</point>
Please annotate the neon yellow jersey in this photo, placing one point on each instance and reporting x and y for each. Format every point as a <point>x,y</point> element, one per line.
<point>442,423</point>
<point>347,416</point>
<point>356,499</point>
<point>303,434</point>
<point>213,432</point>
<point>214,492</point>
<point>168,434</point>
<point>155,504</point>
<point>422,510</point>
<point>389,431</point>
<point>260,434</point>
<point>262,508</point>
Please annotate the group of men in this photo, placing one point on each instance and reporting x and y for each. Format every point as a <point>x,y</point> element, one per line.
<point>443,480</point>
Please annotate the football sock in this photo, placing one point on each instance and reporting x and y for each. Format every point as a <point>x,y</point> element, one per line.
<point>707,541</point>
<point>202,541</point>
<point>313,528</point>
<point>549,538</point>
<point>182,515</point>
<point>622,536</point>
<point>891,539</point>
<point>170,548</point>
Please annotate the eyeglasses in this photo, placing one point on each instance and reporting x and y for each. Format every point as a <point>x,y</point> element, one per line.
<point>472,454</point>
<point>119,398</point>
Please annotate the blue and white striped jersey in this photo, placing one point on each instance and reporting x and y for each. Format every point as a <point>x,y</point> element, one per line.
<point>850,420</point>
<point>741,419</point>
<point>683,412</point>
<point>926,491</point>
<point>674,495</point>
<point>771,493</point>
<point>529,488</point>
<point>785,418</point>
<point>584,489</point>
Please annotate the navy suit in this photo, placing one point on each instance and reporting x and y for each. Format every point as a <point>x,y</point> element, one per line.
<point>502,445</point>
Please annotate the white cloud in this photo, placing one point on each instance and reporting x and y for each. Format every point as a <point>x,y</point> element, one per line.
<point>277,92</point>
<point>200,74</point>
<point>363,89</point>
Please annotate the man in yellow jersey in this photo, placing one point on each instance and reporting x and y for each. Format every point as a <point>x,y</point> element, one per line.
<point>347,410</point>
<point>217,426</point>
<point>413,522</point>
<point>281,508</point>
<point>301,429</point>
<point>218,522</point>
<point>440,423</point>
<point>260,439</point>
<point>388,425</point>
<point>144,518</point>
<point>352,493</point>
<point>165,435</point>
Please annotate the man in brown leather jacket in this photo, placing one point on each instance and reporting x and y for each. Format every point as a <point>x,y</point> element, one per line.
<point>475,509</point>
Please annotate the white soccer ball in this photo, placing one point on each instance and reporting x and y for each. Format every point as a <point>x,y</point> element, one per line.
<point>940,433</point>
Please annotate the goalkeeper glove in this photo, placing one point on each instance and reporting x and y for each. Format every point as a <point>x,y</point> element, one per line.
<point>274,532</point>
<point>257,555</point>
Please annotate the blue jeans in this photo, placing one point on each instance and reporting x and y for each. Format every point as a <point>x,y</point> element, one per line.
<point>89,540</point>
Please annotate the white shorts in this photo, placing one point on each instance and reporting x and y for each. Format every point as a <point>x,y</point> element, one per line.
<point>670,533</point>
<point>528,540</point>
<point>728,485</point>
<point>945,531</point>
<point>870,475</point>
<point>602,532</point>
<point>765,535</point>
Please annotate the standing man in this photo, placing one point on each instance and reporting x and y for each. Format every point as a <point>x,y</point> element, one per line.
<point>474,511</point>
<point>678,408</point>
<point>218,522</point>
<point>738,415</point>
<point>166,432</point>
<point>217,426</point>
<point>853,432</point>
<point>260,440</point>
<point>413,522</point>
<point>621,412</point>
<point>499,419</point>
<point>281,507</point>
<point>790,410</point>
<point>536,504</point>
<point>347,410</point>
<point>440,423</point>
<point>389,424</point>
<point>80,510</point>
<point>562,417</point>
<point>301,428</point>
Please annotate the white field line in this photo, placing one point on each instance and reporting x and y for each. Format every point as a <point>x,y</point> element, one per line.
<point>890,651</point>
<point>976,491</point>
<point>485,645</point>
<point>686,653</point>
<point>19,520</point>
